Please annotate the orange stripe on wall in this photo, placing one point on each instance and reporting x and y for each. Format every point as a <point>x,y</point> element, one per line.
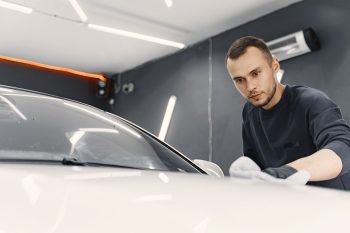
<point>55,68</point>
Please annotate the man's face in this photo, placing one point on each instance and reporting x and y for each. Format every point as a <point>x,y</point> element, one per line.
<point>254,76</point>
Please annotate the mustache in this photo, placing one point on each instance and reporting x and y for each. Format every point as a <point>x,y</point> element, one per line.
<point>254,93</point>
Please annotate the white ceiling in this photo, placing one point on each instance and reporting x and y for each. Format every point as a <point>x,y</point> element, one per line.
<point>53,34</point>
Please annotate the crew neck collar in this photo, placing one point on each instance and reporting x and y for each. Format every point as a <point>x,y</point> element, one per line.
<point>280,103</point>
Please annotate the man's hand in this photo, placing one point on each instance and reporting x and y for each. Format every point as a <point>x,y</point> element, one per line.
<point>245,167</point>
<point>286,174</point>
<point>280,172</point>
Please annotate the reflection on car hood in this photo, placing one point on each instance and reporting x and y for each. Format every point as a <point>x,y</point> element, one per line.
<point>47,198</point>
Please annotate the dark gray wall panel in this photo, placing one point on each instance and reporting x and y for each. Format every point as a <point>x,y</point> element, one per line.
<point>184,75</point>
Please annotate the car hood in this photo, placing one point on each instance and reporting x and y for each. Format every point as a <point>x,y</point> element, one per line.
<point>55,199</point>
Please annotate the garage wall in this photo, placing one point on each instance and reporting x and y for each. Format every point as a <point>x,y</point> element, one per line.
<point>51,82</point>
<point>207,118</point>
<point>184,75</point>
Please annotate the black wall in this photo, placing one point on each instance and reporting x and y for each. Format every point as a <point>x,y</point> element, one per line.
<point>184,75</point>
<point>207,118</point>
<point>52,82</point>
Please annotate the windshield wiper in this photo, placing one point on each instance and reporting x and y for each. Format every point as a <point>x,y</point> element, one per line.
<point>69,161</point>
<point>73,162</point>
<point>76,162</point>
<point>20,160</point>
<point>65,161</point>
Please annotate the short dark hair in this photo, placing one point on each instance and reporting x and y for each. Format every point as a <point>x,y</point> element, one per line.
<point>239,47</point>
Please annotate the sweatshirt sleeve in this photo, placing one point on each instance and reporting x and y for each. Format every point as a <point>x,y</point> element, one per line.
<point>328,128</point>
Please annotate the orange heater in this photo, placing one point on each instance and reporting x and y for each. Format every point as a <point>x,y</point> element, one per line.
<point>54,68</point>
<point>104,88</point>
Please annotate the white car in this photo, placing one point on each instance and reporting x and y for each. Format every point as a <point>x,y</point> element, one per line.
<point>66,167</point>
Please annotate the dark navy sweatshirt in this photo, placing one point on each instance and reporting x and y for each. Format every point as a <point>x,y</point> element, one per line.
<point>304,121</point>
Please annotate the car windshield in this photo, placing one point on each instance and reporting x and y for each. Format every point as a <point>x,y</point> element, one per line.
<point>40,127</point>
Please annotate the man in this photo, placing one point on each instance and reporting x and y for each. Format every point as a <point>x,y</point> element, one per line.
<point>287,129</point>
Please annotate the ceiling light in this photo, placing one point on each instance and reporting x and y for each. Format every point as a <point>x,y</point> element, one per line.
<point>16,7</point>
<point>136,36</point>
<point>167,118</point>
<point>169,3</point>
<point>79,11</point>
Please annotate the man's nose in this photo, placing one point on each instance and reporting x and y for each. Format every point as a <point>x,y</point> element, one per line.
<point>250,85</point>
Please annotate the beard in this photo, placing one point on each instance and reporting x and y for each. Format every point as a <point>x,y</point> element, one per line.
<point>270,95</point>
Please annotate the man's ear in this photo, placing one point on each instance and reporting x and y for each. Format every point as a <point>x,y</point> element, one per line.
<point>275,65</point>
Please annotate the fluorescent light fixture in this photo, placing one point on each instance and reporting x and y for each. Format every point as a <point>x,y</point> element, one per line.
<point>79,11</point>
<point>169,3</point>
<point>13,107</point>
<point>280,75</point>
<point>16,7</point>
<point>167,118</point>
<point>136,36</point>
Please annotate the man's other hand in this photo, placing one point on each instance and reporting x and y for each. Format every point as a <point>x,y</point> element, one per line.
<point>280,172</point>
<point>285,174</point>
<point>244,167</point>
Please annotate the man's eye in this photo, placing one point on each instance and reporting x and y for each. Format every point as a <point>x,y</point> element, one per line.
<point>238,80</point>
<point>256,73</point>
